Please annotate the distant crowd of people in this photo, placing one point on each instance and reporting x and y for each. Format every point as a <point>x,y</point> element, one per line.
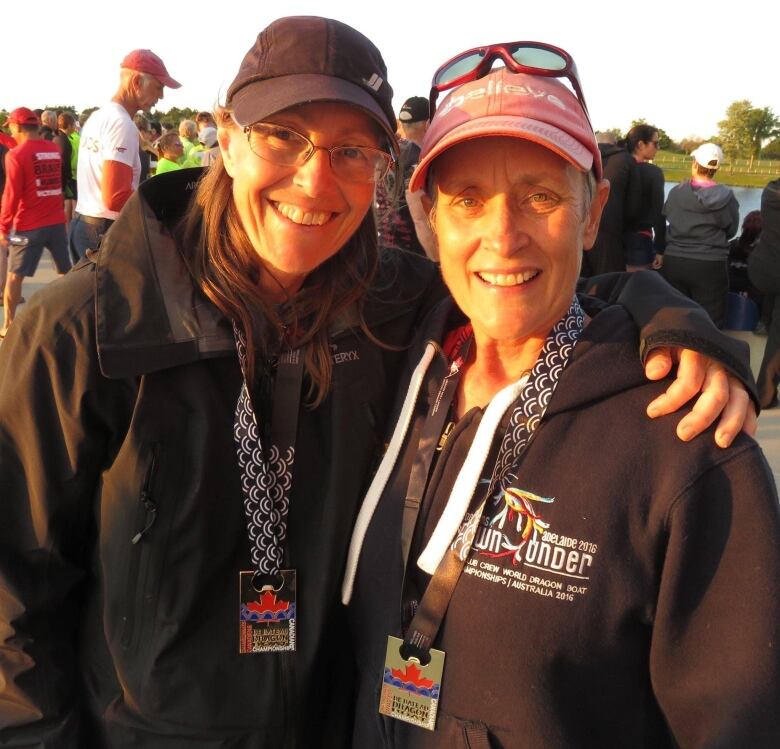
<point>63,179</point>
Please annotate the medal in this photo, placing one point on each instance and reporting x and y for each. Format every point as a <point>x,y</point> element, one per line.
<point>267,617</point>
<point>410,689</point>
<point>267,594</point>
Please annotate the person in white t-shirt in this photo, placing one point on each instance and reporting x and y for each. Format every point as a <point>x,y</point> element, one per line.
<point>109,167</point>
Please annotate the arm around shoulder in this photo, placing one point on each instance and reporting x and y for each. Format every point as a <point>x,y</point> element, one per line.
<point>665,317</point>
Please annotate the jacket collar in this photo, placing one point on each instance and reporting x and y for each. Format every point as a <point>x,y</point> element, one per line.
<point>150,315</point>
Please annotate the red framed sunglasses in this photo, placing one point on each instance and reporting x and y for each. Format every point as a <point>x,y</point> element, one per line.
<point>534,58</point>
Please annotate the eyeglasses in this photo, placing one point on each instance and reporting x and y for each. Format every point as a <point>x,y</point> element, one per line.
<point>284,146</point>
<point>534,58</point>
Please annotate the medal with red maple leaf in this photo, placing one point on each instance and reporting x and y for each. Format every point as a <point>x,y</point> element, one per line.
<point>410,689</point>
<point>267,617</point>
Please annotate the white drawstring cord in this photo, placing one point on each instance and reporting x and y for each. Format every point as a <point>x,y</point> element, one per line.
<point>469,475</point>
<point>383,473</point>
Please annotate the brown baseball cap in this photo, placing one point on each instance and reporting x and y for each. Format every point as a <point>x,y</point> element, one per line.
<point>301,59</point>
<point>145,61</point>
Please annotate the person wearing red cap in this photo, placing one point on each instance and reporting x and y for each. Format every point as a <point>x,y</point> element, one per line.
<point>32,206</point>
<point>109,167</point>
<point>189,419</point>
<point>536,564</point>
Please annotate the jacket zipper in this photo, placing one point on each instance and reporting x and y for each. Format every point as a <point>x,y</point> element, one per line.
<point>147,516</point>
<point>286,665</point>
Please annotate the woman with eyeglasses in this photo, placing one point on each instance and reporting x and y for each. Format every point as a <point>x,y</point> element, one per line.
<point>645,241</point>
<point>534,564</point>
<point>190,418</point>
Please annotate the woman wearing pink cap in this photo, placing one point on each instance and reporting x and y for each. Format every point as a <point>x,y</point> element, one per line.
<point>190,417</point>
<point>535,564</point>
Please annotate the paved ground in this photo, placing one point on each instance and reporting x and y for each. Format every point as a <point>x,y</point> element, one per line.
<point>768,422</point>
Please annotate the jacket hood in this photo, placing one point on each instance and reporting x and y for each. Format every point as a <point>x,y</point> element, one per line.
<point>609,337</point>
<point>610,334</point>
<point>151,316</point>
<point>704,198</point>
<point>609,149</point>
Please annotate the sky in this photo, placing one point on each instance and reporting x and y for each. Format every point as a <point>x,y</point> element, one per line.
<point>671,63</point>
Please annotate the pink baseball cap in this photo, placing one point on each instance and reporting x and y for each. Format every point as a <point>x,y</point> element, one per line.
<point>518,105</point>
<point>145,61</point>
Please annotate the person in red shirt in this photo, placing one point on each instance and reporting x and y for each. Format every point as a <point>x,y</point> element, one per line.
<point>32,206</point>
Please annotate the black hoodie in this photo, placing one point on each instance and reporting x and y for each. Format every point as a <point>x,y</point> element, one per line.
<point>643,612</point>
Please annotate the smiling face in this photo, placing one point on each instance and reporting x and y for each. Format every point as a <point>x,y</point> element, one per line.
<point>296,217</point>
<point>511,219</point>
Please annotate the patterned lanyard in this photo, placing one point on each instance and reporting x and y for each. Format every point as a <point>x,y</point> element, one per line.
<point>523,422</point>
<point>537,393</point>
<point>413,660</point>
<point>266,475</point>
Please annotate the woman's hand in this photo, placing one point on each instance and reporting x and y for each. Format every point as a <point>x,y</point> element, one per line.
<point>721,395</point>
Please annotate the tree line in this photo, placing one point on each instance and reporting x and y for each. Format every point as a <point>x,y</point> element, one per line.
<point>746,132</point>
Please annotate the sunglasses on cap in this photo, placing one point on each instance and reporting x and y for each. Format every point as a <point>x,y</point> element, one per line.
<point>534,58</point>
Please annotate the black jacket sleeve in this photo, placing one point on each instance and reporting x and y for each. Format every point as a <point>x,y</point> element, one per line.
<point>665,317</point>
<point>714,660</point>
<point>659,220</point>
<point>633,200</point>
<point>59,421</point>
<point>66,149</point>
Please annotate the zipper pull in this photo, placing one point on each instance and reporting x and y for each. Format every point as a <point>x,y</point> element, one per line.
<point>151,516</point>
<point>146,499</point>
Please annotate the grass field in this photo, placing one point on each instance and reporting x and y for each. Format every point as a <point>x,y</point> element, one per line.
<point>738,172</point>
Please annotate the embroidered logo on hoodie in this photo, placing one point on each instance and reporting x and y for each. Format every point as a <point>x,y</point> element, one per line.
<point>514,547</point>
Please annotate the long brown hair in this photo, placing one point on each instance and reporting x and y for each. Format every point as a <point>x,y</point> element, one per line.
<point>228,268</point>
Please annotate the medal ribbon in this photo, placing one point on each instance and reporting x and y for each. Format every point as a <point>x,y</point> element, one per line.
<point>524,420</point>
<point>266,470</point>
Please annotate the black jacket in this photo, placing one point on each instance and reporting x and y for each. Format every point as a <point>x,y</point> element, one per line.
<point>118,386</point>
<point>68,180</point>
<point>764,262</point>
<point>122,380</point>
<point>650,215</point>
<point>625,196</point>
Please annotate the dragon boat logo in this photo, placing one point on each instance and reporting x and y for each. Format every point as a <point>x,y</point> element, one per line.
<point>518,516</point>
<point>513,528</point>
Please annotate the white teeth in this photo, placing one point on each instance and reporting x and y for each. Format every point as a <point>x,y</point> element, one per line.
<point>299,216</point>
<point>508,279</point>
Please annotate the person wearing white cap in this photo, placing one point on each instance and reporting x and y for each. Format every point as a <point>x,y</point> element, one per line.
<point>533,565</point>
<point>702,216</point>
<point>209,149</point>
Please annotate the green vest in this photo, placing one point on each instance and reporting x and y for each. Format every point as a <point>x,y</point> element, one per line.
<point>74,139</point>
